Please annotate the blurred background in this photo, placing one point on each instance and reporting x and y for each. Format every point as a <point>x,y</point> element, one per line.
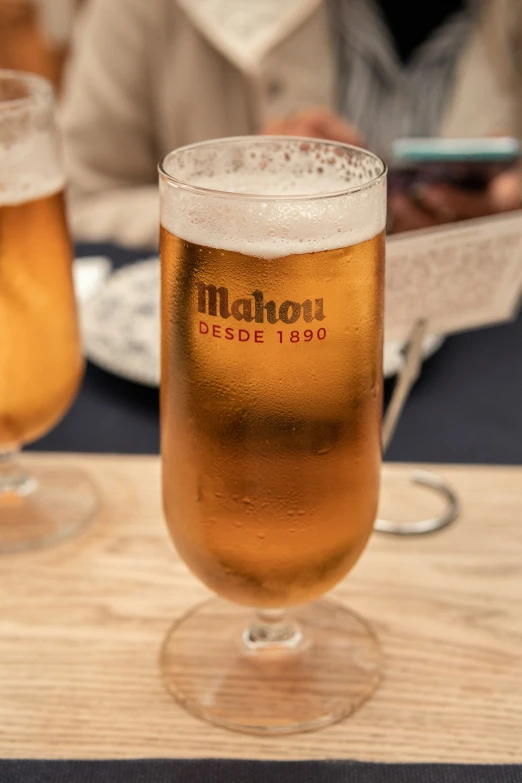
<point>147,79</point>
<point>35,35</point>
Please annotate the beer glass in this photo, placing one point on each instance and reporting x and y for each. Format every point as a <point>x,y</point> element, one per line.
<point>40,358</point>
<point>272,256</point>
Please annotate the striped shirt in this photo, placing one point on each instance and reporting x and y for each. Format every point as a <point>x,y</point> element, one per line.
<point>384,97</point>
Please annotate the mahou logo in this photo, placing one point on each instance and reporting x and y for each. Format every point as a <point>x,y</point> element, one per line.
<point>215,302</point>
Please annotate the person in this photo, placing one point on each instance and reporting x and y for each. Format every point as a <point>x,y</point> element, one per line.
<point>148,77</point>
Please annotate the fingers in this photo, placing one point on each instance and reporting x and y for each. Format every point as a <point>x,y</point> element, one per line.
<point>506,191</point>
<point>317,123</point>
<point>330,126</point>
<point>407,216</point>
<point>288,126</point>
<point>454,204</point>
<point>432,205</point>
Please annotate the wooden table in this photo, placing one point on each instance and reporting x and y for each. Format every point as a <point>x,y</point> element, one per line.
<point>81,625</point>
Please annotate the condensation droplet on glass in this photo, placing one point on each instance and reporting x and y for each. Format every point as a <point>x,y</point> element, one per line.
<point>324,450</point>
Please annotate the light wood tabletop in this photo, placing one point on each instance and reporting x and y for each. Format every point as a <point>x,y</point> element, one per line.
<point>81,625</point>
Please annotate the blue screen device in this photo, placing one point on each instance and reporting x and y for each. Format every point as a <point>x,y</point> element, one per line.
<point>465,163</point>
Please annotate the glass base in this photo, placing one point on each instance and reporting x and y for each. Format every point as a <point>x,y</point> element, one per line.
<point>44,507</point>
<point>323,665</point>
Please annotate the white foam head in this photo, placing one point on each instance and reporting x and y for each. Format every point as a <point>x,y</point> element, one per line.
<point>272,197</point>
<point>30,164</point>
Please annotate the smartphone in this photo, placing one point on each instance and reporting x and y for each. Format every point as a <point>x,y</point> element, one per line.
<point>469,164</point>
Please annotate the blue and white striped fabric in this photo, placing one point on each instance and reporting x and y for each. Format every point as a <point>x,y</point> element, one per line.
<point>382,96</point>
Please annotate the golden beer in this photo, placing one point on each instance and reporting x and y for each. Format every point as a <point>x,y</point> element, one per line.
<point>40,358</point>
<point>272,261</point>
<point>40,354</point>
<point>271,406</point>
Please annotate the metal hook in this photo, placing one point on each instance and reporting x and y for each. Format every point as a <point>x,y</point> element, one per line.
<point>407,377</point>
<point>419,527</point>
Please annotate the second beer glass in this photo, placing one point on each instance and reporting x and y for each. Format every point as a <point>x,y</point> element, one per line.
<point>272,256</point>
<point>41,363</point>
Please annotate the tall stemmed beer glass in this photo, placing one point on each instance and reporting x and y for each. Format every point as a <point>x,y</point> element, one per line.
<point>41,363</point>
<point>272,253</point>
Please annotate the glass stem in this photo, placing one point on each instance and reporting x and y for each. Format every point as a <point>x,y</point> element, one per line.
<point>14,481</point>
<point>272,630</point>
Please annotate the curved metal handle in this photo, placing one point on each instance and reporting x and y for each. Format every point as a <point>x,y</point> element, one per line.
<point>436,484</point>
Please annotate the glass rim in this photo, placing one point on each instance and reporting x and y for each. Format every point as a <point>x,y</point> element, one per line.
<point>257,138</point>
<point>39,87</point>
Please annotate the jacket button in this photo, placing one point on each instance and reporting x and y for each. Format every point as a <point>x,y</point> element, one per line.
<point>274,88</point>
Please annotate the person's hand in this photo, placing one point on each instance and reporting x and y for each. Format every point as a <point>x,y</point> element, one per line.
<point>433,204</point>
<point>317,123</point>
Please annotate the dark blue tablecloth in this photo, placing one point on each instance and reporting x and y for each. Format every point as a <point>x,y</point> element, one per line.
<point>466,407</point>
<point>224,771</point>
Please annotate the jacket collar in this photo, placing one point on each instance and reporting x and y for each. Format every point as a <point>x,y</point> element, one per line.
<point>245,31</point>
